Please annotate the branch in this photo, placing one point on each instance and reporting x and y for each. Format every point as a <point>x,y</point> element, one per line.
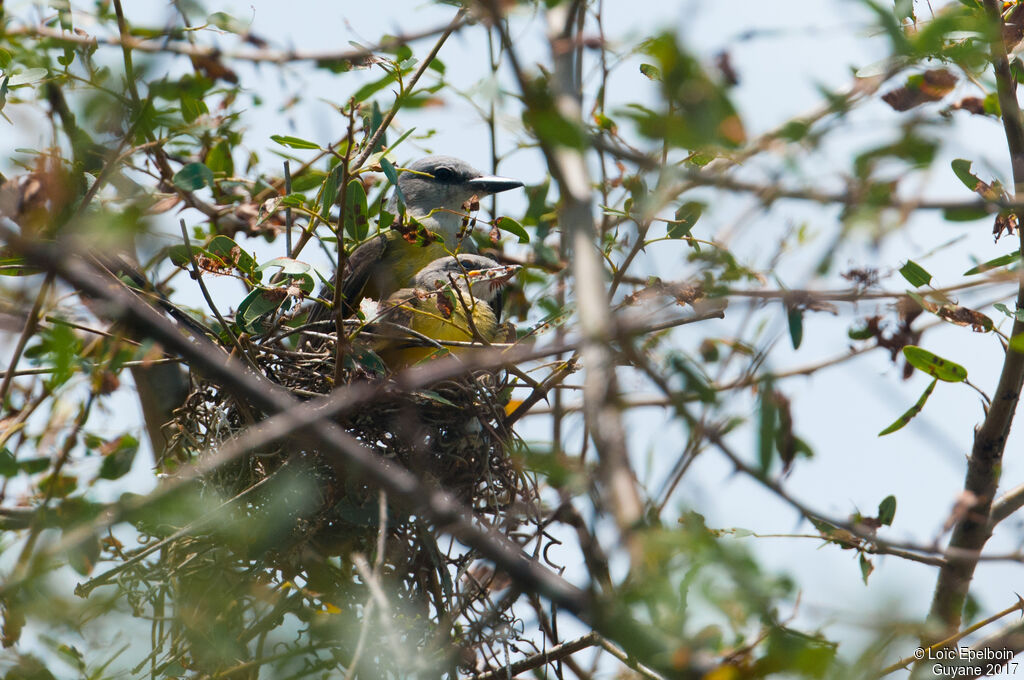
<point>163,46</point>
<point>983,467</point>
<point>602,415</point>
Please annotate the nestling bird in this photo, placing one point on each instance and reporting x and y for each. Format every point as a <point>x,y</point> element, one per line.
<point>448,300</point>
<point>435,190</point>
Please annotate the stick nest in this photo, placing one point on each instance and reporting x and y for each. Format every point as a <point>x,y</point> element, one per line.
<point>452,436</point>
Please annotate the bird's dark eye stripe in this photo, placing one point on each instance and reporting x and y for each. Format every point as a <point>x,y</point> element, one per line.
<point>444,174</point>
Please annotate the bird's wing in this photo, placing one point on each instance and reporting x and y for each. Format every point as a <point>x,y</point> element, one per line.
<point>359,267</point>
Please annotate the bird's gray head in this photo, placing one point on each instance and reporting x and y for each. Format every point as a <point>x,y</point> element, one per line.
<point>482,275</point>
<point>446,182</point>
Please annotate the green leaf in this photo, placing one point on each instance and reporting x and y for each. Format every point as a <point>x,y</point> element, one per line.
<point>651,71</point>
<point>376,120</point>
<point>118,462</point>
<point>258,305</point>
<point>371,89</point>
<point>887,510</point>
<point>511,226</point>
<point>34,465</point>
<point>354,216</point>
<point>294,142</point>
<point>554,128</point>
<point>193,177</point>
<point>865,568</point>
<point>915,274</point>
<point>330,193</point>
<point>767,426</point>
<point>1009,258</point>
<point>219,159</point>
<point>965,214</point>
<point>860,333</point>
<point>1017,343</point>
<point>795,317</point>
<point>392,174</point>
<point>934,365</point>
<point>32,75</point>
<point>1019,314</point>
<point>233,254</point>
<point>300,272</point>
<point>685,218</point>
<point>908,415</point>
<point>192,108</point>
<point>3,92</point>
<point>8,465</point>
<point>962,169</point>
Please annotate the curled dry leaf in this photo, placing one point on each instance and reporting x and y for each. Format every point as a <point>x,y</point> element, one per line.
<point>1005,222</point>
<point>930,86</point>
<point>964,316</point>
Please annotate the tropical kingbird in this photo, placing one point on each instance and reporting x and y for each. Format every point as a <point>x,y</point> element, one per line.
<point>436,191</point>
<point>448,300</point>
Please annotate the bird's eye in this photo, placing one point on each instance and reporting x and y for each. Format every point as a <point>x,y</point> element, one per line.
<point>444,174</point>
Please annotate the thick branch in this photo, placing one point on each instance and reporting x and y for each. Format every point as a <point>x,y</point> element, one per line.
<point>972,531</point>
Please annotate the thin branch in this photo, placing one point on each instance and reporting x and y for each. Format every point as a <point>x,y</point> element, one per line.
<point>903,663</point>
<point>161,45</point>
<point>30,328</point>
<point>542,659</point>
<point>460,17</point>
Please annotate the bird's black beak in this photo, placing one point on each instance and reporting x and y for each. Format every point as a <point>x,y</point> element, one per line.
<point>492,184</point>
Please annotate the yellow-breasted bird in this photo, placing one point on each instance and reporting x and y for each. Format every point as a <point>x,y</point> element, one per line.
<point>448,300</point>
<point>435,190</point>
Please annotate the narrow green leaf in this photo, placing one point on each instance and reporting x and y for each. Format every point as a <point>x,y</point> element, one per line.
<point>795,317</point>
<point>294,142</point>
<point>965,214</point>
<point>916,274</point>
<point>371,89</point>
<point>1009,258</point>
<point>392,174</point>
<point>511,226</point>
<point>330,193</point>
<point>907,416</point>
<point>934,365</point>
<point>887,510</point>
<point>767,426</point>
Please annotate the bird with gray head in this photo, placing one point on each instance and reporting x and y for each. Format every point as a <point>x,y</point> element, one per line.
<point>435,191</point>
<point>448,300</point>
